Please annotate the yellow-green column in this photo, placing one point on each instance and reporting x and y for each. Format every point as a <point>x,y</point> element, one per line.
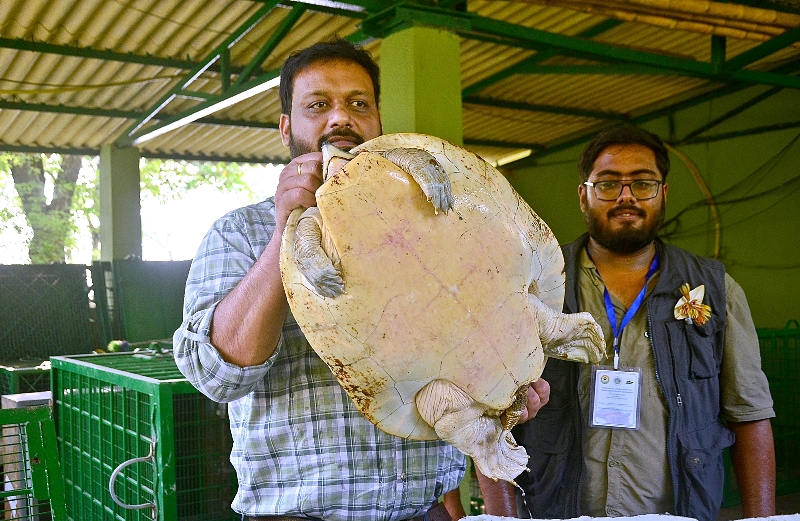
<point>421,83</point>
<point>120,207</point>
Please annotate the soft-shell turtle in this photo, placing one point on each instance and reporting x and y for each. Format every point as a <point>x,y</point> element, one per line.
<point>434,320</point>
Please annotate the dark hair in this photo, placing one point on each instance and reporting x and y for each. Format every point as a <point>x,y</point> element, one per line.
<point>623,135</point>
<point>336,49</point>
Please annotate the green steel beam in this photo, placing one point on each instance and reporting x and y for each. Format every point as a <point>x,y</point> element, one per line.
<point>786,6</point>
<point>739,133</point>
<point>275,38</point>
<point>359,38</point>
<point>771,46</point>
<point>405,14</point>
<point>86,52</point>
<point>524,65</point>
<point>595,68</point>
<point>502,144</point>
<point>550,109</point>
<point>126,114</point>
<point>356,9</point>
<point>262,125</point>
<point>335,8</point>
<point>470,25</point>
<point>154,155</point>
<point>731,113</point>
<point>212,100</point>
<point>64,109</point>
<point>718,44</point>
<point>582,137</point>
<point>127,138</point>
<point>215,158</point>
<point>5,147</point>
<point>589,49</point>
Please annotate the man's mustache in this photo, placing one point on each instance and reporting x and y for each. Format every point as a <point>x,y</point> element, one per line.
<point>341,132</point>
<point>626,209</point>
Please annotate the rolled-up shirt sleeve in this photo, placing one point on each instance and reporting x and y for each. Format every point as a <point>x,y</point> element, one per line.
<point>745,390</point>
<point>226,254</point>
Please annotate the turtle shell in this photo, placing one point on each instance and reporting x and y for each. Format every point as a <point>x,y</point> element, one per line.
<point>427,295</point>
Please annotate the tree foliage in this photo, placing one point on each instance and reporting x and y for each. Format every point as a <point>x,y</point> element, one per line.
<point>58,194</point>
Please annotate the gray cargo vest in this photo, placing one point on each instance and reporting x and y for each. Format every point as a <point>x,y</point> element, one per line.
<point>688,359</point>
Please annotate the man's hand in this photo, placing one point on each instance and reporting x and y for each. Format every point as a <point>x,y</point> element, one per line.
<point>297,185</point>
<point>538,396</point>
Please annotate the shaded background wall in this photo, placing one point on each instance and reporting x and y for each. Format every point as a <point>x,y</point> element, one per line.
<point>754,180</point>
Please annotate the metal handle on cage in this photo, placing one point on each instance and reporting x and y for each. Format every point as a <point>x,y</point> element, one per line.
<point>118,470</point>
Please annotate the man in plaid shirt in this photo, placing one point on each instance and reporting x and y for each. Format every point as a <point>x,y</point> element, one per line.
<point>301,449</point>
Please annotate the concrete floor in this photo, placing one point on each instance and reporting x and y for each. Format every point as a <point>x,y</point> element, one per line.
<point>788,504</point>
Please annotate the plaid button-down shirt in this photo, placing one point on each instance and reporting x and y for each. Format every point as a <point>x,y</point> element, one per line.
<point>300,446</point>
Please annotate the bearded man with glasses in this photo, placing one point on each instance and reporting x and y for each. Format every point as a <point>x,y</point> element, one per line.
<point>644,432</point>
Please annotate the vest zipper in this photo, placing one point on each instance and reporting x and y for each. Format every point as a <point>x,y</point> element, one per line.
<point>679,401</point>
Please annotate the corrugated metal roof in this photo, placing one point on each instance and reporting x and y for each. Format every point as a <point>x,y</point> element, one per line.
<point>76,74</point>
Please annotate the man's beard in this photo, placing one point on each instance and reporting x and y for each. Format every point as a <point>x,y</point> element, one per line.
<point>628,239</point>
<point>298,147</point>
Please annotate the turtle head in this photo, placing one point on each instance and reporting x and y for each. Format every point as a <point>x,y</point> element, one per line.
<point>333,160</point>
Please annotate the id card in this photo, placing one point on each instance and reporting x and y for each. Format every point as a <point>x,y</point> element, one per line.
<point>615,400</point>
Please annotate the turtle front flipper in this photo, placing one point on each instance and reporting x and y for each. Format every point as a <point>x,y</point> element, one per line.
<point>573,336</point>
<point>316,258</point>
<point>333,160</point>
<point>427,172</point>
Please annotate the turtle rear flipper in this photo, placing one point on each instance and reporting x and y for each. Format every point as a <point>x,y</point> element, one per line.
<point>427,172</point>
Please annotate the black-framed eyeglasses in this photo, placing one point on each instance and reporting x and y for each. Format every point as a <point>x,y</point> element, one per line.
<point>611,190</point>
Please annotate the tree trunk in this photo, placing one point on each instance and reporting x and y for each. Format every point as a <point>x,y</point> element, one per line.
<point>51,223</point>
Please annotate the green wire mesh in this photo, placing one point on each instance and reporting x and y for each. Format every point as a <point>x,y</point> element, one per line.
<point>114,408</point>
<point>33,488</point>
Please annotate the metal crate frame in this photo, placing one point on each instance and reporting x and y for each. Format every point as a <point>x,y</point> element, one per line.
<point>33,485</point>
<point>121,416</point>
<point>23,377</point>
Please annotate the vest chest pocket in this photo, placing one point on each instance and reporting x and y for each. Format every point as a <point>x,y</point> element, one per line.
<point>704,361</point>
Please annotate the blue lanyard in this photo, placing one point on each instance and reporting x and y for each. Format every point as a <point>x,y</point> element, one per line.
<point>612,315</point>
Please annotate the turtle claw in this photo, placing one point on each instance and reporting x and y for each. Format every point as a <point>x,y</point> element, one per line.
<point>428,173</point>
<point>329,283</point>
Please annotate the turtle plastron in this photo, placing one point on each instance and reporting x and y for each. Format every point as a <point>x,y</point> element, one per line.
<point>446,317</point>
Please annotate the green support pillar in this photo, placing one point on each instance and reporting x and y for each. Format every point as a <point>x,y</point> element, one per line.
<point>120,207</point>
<point>421,83</point>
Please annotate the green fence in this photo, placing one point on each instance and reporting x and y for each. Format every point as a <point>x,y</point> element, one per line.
<point>134,417</point>
<point>780,360</point>
<point>141,300</point>
<point>45,310</point>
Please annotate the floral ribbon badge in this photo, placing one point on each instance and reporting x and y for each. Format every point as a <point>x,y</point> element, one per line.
<point>690,306</point>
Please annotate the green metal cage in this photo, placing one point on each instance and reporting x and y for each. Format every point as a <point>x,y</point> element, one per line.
<point>138,442</point>
<point>780,360</point>
<point>24,377</point>
<point>33,489</point>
